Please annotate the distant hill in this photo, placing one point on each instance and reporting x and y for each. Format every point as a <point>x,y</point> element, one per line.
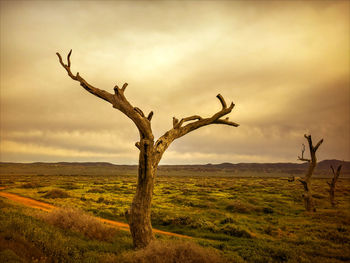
<point>223,169</point>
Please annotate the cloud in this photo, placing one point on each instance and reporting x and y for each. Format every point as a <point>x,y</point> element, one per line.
<point>286,67</point>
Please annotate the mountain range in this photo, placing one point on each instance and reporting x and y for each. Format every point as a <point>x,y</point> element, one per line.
<point>224,169</point>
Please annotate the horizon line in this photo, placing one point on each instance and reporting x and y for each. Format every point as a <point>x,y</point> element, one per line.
<point>82,162</point>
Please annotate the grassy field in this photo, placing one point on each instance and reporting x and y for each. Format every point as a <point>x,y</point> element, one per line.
<point>245,219</point>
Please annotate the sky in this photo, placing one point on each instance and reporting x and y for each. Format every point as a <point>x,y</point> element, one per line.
<point>285,65</point>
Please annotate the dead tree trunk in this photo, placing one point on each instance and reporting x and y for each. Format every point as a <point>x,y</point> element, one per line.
<point>332,184</point>
<point>139,216</point>
<point>308,201</point>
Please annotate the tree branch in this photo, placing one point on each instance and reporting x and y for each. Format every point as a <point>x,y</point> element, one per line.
<point>223,102</point>
<point>150,115</point>
<point>179,130</point>
<point>124,86</point>
<point>227,122</point>
<point>215,119</point>
<point>338,170</point>
<point>291,179</point>
<point>309,140</point>
<point>175,122</point>
<point>302,155</point>
<point>304,184</point>
<point>118,100</point>
<point>318,145</point>
<point>336,173</point>
<point>139,111</point>
<point>333,170</point>
<point>95,91</point>
<point>191,118</point>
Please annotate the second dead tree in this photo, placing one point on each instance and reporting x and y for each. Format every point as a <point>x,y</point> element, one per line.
<point>332,184</point>
<point>306,181</point>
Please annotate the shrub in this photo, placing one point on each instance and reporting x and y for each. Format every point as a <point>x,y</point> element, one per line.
<point>268,210</point>
<point>174,252</point>
<point>100,199</point>
<point>270,230</point>
<point>17,249</point>
<point>78,221</point>
<point>30,185</point>
<point>56,193</point>
<point>227,220</point>
<point>8,255</point>
<point>318,196</point>
<point>96,190</point>
<point>3,204</point>
<point>240,207</point>
<point>69,186</point>
<point>235,231</point>
<point>178,221</point>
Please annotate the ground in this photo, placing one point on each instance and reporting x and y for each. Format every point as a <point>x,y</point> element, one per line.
<point>255,219</point>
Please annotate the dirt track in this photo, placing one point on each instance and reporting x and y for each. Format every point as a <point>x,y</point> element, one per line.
<point>47,207</point>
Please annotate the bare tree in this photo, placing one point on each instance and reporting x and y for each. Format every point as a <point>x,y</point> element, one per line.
<point>139,216</point>
<point>309,204</point>
<point>332,184</point>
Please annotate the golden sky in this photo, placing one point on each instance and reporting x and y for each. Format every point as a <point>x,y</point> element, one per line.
<point>285,64</point>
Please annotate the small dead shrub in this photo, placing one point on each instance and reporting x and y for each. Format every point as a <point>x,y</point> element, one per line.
<point>318,196</point>
<point>100,199</point>
<point>227,220</point>
<point>268,210</point>
<point>234,231</point>
<point>79,221</point>
<point>56,193</point>
<point>244,208</point>
<point>30,185</point>
<point>270,230</point>
<point>96,190</point>
<point>69,186</point>
<point>178,221</point>
<point>173,252</point>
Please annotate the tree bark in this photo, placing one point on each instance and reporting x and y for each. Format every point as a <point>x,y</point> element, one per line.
<point>332,184</point>
<point>308,200</point>
<point>331,195</point>
<point>307,196</point>
<point>140,211</point>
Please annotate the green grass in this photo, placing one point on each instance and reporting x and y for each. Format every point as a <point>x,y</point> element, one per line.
<point>32,239</point>
<point>248,219</point>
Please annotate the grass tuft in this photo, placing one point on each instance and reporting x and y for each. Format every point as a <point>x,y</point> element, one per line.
<point>30,185</point>
<point>174,252</point>
<point>56,193</point>
<point>79,221</point>
<point>240,207</point>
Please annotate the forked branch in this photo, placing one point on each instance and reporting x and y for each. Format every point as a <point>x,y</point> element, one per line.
<point>191,118</point>
<point>336,174</point>
<point>117,99</point>
<point>302,155</point>
<point>312,149</point>
<point>195,121</point>
<point>97,92</point>
<point>214,119</point>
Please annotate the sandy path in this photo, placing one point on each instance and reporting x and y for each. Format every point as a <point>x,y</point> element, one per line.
<point>27,201</point>
<point>47,207</point>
